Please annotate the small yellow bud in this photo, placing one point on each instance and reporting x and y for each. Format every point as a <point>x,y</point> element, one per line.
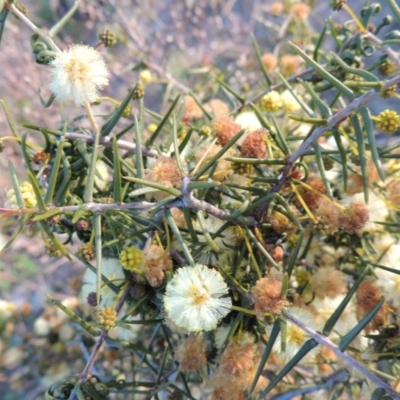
<point>152,128</point>
<point>205,131</point>
<point>86,252</point>
<point>386,68</point>
<point>302,277</point>
<point>106,318</point>
<point>138,93</point>
<point>108,38</point>
<point>127,112</point>
<point>52,250</point>
<point>131,258</point>
<point>388,121</point>
<point>146,76</point>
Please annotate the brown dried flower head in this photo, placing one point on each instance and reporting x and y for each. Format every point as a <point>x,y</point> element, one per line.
<point>270,62</point>
<point>254,145</point>
<point>165,172</point>
<point>267,295</point>
<point>368,294</point>
<point>277,8</point>
<point>281,223</point>
<point>191,354</point>
<point>301,11</point>
<point>290,64</point>
<point>217,107</point>
<point>355,181</point>
<point>238,357</point>
<point>41,157</point>
<point>311,198</point>
<point>354,217</point>
<point>192,109</point>
<point>223,389</point>
<point>156,262</point>
<point>224,129</point>
<point>326,215</point>
<point>393,191</point>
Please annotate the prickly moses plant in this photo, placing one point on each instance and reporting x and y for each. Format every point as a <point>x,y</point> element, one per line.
<point>244,243</point>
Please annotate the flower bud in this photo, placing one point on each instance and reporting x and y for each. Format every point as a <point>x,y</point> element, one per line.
<point>108,38</point>
<point>106,318</point>
<point>131,258</point>
<point>388,121</point>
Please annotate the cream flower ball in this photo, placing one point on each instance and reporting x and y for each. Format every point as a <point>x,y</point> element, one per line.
<point>77,74</point>
<point>195,300</point>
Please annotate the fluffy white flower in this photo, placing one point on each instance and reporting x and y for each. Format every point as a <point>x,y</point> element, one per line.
<point>295,337</point>
<point>388,256</point>
<point>327,306</point>
<point>289,102</point>
<point>112,270</point>
<point>248,120</point>
<point>194,298</point>
<point>78,73</point>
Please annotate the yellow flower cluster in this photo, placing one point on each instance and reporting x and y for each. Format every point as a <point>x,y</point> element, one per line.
<point>271,101</point>
<point>27,193</point>
<point>131,258</point>
<point>106,318</point>
<point>388,121</point>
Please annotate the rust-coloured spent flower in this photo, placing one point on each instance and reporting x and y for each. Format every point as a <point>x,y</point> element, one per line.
<point>238,357</point>
<point>368,295</point>
<point>156,262</point>
<point>191,353</point>
<point>354,217</point>
<point>165,172</point>
<point>217,107</point>
<point>267,295</point>
<point>192,109</point>
<point>311,197</point>
<point>77,74</point>
<point>289,64</point>
<point>301,11</point>
<point>270,61</point>
<point>254,145</point>
<point>224,129</point>
<point>393,191</point>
